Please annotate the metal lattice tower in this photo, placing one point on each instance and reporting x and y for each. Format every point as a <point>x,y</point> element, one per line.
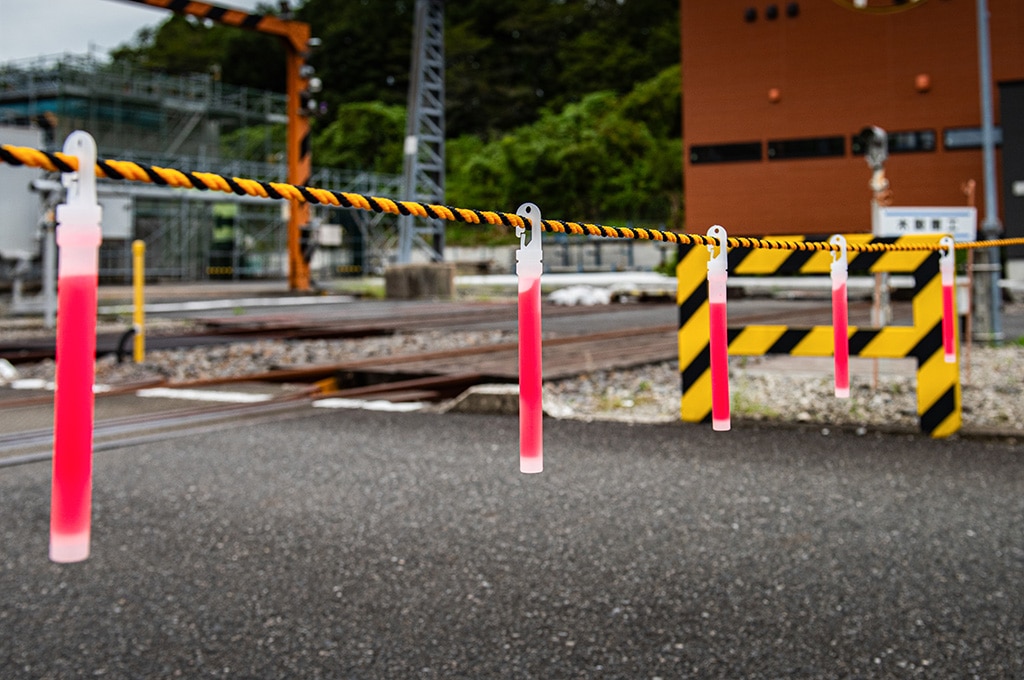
<point>423,174</point>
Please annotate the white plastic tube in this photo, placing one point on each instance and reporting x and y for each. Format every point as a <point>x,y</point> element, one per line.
<point>718,265</point>
<point>840,317</point>
<point>78,240</point>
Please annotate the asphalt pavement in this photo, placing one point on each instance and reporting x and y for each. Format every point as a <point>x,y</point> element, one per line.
<point>358,544</point>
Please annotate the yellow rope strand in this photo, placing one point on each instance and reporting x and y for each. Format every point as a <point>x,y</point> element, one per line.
<point>208,181</point>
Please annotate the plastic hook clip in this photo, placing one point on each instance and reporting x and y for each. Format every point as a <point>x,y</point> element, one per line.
<point>529,256</point>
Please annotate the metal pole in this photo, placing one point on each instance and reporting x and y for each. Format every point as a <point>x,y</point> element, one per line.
<point>987,297</point>
<point>49,275</point>
<point>139,300</point>
<point>423,169</point>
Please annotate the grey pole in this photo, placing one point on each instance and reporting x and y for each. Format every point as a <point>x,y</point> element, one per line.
<point>987,298</point>
<point>423,170</point>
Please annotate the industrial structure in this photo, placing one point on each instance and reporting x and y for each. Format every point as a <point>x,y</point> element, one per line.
<point>182,122</point>
<point>300,87</point>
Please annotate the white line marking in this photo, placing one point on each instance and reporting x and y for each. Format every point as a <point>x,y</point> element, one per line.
<point>369,405</point>
<point>203,395</point>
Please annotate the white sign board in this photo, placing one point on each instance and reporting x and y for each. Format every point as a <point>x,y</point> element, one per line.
<point>329,235</point>
<point>118,217</point>
<point>960,222</point>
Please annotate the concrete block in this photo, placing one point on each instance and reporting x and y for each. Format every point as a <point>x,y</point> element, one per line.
<point>492,399</point>
<point>420,281</point>
<point>500,399</point>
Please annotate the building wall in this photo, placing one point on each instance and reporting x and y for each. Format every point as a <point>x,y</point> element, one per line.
<point>835,72</point>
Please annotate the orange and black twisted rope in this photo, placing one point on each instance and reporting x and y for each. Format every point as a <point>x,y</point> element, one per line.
<point>208,181</point>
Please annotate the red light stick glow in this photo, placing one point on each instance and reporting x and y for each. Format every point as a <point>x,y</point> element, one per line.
<point>946,265</point>
<point>719,340</point>
<point>531,413</point>
<point>78,237</point>
<point>840,317</point>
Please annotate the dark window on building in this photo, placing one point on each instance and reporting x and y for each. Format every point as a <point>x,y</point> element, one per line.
<point>906,141</point>
<point>771,12</point>
<point>750,15</point>
<point>810,147</point>
<point>725,153</point>
<point>968,138</point>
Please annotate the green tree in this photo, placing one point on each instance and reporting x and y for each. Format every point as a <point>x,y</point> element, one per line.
<point>573,104</point>
<point>606,158</point>
<point>180,45</point>
<point>363,136</point>
<point>263,143</point>
<point>506,60</point>
<point>366,48</point>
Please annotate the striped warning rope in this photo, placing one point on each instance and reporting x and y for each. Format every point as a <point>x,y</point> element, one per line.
<point>208,181</point>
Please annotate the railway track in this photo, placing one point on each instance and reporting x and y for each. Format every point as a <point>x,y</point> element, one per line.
<point>123,416</point>
<point>355,323</point>
<point>431,316</point>
<point>34,445</point>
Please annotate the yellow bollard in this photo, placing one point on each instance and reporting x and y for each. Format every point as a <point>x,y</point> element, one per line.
<point>139,315</point>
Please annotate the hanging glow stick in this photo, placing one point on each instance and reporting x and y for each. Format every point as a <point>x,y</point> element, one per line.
<point>946,265</point>
<point>78,238</point>
<point>531,414</point>
<point>840,317</point>
<point>719,341</point>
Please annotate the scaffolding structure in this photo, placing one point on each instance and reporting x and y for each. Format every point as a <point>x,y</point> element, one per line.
<point>182,122</point>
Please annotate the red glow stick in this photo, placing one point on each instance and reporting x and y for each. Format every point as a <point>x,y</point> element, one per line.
<point>78,237</point>
<point>719,340</point>
<point>531,413</point>
<point>946,265</point>
<point>840,317</point>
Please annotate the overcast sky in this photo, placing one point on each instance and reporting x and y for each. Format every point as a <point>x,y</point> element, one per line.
<point>32,28</point>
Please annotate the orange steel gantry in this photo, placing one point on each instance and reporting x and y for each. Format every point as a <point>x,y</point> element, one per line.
<point>296,37</point>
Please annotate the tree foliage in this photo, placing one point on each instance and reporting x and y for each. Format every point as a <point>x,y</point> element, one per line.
<point>363,136</point>
<point>506,60</point>
<point>572,104</point>
<point>181,45</point>
<point>603,158</point>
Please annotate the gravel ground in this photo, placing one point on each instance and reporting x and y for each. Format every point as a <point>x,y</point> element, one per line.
<point>768,390</point>
<point>353,544</point>
<point>762,389</point>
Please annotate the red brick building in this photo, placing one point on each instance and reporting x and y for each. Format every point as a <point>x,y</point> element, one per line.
<point>774,94</point>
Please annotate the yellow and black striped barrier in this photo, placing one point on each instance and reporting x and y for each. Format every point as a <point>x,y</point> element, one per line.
<point>938,382</point>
